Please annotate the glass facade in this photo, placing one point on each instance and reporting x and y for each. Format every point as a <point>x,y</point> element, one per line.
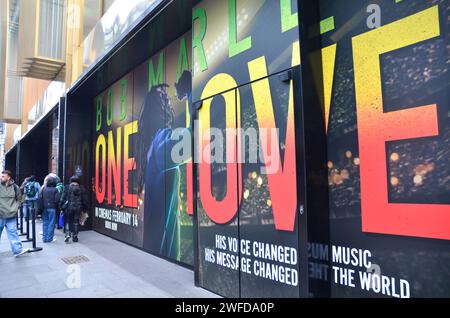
<point>51,27</point>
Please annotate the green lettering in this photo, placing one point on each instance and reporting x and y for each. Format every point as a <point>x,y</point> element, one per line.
<point>159,77</point>
<point>327,25</point>
<point>197,41</point>
<point>99,113</point>
<point>109,106</point>
<point>123,99</point>
<point>235,47</point>
<point>288,20</point>
<point>183,61</point>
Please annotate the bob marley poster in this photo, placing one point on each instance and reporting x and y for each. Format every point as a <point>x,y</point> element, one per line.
<point>140,193</point>
<point>383,83</point>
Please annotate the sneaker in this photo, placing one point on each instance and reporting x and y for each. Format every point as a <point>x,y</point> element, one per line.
<point>67,238</point>
<point>25,250</point>
<point>75,239</point>
<point>54,239</point>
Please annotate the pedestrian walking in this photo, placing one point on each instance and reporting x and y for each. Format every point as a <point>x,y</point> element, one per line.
<point>31,191</point>
<point>51,175</point>
<point>73,201</point>
<point>48,205</point>
<point>9,205</point>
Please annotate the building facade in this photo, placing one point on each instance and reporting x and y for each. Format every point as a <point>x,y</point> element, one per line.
<point>278,148</point>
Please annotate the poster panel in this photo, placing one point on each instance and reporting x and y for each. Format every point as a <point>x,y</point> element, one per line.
<point>385,71</point>
<point>152,102</point>
<point>239,205</point>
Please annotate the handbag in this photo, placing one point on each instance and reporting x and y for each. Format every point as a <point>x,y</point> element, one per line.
<point>61,219</point>
<point>83,217</point>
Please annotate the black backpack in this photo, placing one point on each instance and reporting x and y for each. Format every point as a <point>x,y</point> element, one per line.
<point>75,197</point>
<point>30,189</point>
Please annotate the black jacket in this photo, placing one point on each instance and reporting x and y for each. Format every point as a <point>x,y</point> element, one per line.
<point>49,198</point>
<point>74,197</point>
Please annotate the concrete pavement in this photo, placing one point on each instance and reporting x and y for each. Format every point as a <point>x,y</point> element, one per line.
<point>106,268</point>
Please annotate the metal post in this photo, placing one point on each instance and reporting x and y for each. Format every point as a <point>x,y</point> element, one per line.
<point>21,220</point>
<point>27,219</point>
<point>33,228</point>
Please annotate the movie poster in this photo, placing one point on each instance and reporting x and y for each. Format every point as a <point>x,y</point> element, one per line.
<point>115,208</point>
<point>385,67</point>
<point>384,93</point>
<point>141,193</point>
<point>385,100</point>
<point>247,197</point>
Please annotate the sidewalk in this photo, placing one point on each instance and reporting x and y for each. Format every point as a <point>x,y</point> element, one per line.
<point>108,269</point>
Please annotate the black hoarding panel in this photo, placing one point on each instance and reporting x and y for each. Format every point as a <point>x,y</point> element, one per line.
<point>268,211</point>
<point>385,71</point>
<point>149,106</point>
<point>161,109</point>
<point>78,159</point>
<point>231,48</point>
<point>218,195</point>
<point>115,201</point>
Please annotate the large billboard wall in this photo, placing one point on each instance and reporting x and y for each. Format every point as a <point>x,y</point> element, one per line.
<point>385,70</point>
<point>383,86</point>
<point>139,195</point>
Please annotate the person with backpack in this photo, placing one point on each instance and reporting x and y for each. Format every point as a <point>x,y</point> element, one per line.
<point>9,205</point>
<point>48,204</point>
<point>31,191</point>
<point>73,201</point>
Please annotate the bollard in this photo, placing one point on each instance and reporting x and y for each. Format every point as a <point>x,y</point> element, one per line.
<point>33,228</point>
<point>27,219</point>
<point>21,221</point>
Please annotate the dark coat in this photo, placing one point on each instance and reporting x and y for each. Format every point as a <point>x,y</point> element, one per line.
<point>49,198</point>
<point>74,197</point>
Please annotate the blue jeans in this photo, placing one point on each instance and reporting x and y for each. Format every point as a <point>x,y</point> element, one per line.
<point>13,236</point>
<point>48,225</point>
<point>28,206</point>
<point>25,210</point>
